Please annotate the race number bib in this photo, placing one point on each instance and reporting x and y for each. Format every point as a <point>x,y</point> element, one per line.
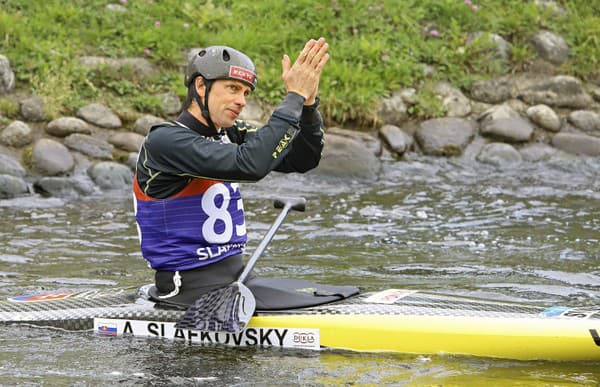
<point>224,211</point>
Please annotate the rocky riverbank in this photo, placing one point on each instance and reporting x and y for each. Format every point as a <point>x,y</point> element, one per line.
<point>505,121</point>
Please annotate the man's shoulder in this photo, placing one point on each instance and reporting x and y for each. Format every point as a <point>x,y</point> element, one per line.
<point>168,128</point>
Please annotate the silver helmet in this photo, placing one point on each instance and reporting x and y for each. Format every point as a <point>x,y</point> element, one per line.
<point>221,62</point>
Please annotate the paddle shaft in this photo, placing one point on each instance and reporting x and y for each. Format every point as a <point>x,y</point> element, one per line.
<point>298,204</point>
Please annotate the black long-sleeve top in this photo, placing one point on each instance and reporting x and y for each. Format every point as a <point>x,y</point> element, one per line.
<point>176,151</point>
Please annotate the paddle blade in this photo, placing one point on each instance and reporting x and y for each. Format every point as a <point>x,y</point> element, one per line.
<point>227,309</point>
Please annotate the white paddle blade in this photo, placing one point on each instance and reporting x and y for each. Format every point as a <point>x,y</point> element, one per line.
<point>246,305</point>
<point>228,309</point>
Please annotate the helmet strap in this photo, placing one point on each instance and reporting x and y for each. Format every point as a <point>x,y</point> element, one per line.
<point>204,106</point>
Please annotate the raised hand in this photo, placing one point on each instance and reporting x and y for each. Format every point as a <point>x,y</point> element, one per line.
<point>303,76</point>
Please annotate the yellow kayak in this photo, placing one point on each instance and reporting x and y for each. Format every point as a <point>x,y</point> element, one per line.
<point>393,320</point>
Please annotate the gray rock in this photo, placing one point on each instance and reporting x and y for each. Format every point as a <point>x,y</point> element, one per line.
<point>17,134</point>
<point>99,115</point>
<point>549,4</point>
<point>398,140</point>
<point>492,91</point>
<point>576,143</point>
<point>10,166</point>
<point>64,187</point>
<point>508,129</point>
<point>586,120</point>
<point>517,105</point>
<point>499,154</point>
<point>52,158</point>
<point>497,112</point>
<point>7,77</point>
<point>109,175</point>
<point>132,160</point>
<point>409,96</point>
<point>545,117</point>
<point>500,47</point>
<point>473,149</point>
<point>252,111</point>
<point>171,104</point>
<point>453,100</point>
<point>445,136</point>
<point>143,124</point>
<point>347,158</point>
<point>12,186</point>
<point>32,109</point>
<point>90,146</point>
<point>64,126</point>
<point>559,91</point>
<point>393,110</point>
<point>550,47</point>
<point>127,141</point>
<point>372,143</point>
<point>537,152</point>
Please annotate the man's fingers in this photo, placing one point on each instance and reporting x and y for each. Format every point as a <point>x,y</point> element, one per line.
<point>318,50</point>
<point>303,75</point>
<point>306,51</point>
<point>318,57</point>
<point>322,62</point>
<point>285,63</point>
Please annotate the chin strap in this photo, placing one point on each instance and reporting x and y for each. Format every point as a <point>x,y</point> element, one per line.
<point>204,106</point>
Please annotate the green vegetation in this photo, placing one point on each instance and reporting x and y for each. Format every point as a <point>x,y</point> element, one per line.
<point>376,46</point>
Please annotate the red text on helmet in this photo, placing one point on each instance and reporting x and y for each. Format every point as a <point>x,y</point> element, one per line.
<point>242,74</point>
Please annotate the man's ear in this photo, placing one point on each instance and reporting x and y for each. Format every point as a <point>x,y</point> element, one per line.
<point>199,83</point>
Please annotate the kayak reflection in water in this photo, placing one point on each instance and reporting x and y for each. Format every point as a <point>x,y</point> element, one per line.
<point>187,199</point>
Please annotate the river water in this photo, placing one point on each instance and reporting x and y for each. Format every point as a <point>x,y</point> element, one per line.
<point>530,234</point>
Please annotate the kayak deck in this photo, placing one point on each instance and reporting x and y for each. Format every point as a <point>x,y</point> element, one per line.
<point>392,320</point>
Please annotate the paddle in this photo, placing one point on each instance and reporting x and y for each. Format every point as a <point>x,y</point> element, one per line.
<point>230,308</point>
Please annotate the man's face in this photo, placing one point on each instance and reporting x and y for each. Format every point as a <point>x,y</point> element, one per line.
<point>226,101</point>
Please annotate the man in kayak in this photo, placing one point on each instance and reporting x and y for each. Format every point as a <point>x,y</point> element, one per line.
<point>188,205</point>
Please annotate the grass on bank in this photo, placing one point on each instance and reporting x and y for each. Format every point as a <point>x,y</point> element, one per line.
<point>376,46</point>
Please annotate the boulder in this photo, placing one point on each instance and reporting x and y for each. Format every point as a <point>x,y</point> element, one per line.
<point>398,140</point>
<point>545,117</point>
<point>32,109</point>
<point>586,120</point>
<point>52,158</point>
<point>17,134</point>
<point>347,158</point>
<point>12,186</point>
<point>445,136</point>
<point>64,126</point>
<point>511,130</point>
<point>143,124</point>
<point>89,146</point>
<point>10,166</point>
<point>499,154</point>
<point>127,141</point>
<point>109,175</point>
<point>550,47</point>
<point>576,143</point>
<point>7,77</point>
<point>99,115</point>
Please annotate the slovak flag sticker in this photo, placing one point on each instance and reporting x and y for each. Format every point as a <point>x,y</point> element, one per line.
<point>107,329</point>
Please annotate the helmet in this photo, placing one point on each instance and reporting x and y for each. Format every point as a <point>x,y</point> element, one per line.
<point>221,62</point>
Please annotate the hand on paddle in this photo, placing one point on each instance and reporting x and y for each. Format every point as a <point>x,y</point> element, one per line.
<point>303,76</point>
